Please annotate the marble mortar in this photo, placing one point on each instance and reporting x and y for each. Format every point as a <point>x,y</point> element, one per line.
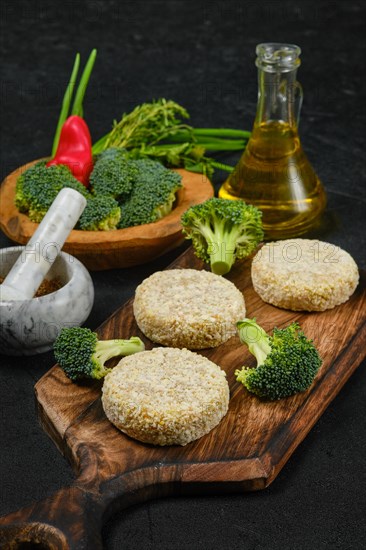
<point>29,327</point>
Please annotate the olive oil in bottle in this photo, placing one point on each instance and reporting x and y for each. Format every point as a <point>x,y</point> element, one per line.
<point>274,173</point>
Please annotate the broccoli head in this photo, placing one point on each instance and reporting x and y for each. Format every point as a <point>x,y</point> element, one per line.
<point>287,361</point>
<point>81,355</point>
<point>223,231</point>
<point>113,174</point>
<point>152,195</point>
<point>101,213</point>
<point>37,188</point>
<point>113,153</point>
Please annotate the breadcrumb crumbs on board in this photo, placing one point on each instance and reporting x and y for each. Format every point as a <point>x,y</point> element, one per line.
<point>166,396</point>
<point>188,308</point>
<point>304,274</point>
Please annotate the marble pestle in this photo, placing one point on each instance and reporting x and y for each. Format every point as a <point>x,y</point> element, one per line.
<point>29,270</point>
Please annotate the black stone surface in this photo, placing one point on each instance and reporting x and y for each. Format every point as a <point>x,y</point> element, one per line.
<point>202,55</point>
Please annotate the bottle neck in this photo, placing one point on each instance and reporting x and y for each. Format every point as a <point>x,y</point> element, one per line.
<point>279,97</point>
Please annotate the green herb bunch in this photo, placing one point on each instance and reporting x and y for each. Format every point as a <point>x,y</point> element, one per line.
<point>157,130</point>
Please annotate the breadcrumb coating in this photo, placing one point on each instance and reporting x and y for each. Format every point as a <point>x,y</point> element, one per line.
<point>166,396</point>
<point>187,308</point>
<point>304,274</point>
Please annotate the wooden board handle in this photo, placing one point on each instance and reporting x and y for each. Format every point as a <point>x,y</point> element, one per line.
<point>69,519</point>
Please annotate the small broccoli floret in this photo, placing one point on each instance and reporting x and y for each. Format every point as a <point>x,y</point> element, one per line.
<point>81,355</point>
<point>112,153</point>
<point>37,188</point>
<point>113,174</point>
<point>101,213</point>
<point>223,231</point>
<point>153,194</point>
<point>287,361</point>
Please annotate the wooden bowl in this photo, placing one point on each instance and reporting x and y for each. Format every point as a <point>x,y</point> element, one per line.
<point>99,250</point>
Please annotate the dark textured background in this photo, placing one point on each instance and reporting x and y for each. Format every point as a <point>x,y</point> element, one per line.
<point>202,55</point>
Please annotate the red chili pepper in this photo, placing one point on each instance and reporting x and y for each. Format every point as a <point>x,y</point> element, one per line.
<point>75,149</point>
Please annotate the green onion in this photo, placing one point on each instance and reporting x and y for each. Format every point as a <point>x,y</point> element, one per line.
<point>66,103</point>
<point>183,136</point>
<point>98,146</point>
<point>222,166</point>
<point>221,132</point>
<point>222,145</point>
<point>77,108</point>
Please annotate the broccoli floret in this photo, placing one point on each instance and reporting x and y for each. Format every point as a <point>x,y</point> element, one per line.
<point>287,361</point>
<point>37,188</point>
<point>113,152</point>
<point>81,355</point>
<point>113,174</point>
<point>223,231</point>
<point>101,213</point>
<point>152,195</point>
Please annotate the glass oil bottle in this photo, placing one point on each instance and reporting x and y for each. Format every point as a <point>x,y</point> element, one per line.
<point>274,173</point>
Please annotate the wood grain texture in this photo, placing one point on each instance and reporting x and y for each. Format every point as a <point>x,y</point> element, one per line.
<point>245,452</point>
<point>100,250</point>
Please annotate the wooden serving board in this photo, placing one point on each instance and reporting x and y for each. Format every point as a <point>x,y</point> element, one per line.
<point>245,452</point>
